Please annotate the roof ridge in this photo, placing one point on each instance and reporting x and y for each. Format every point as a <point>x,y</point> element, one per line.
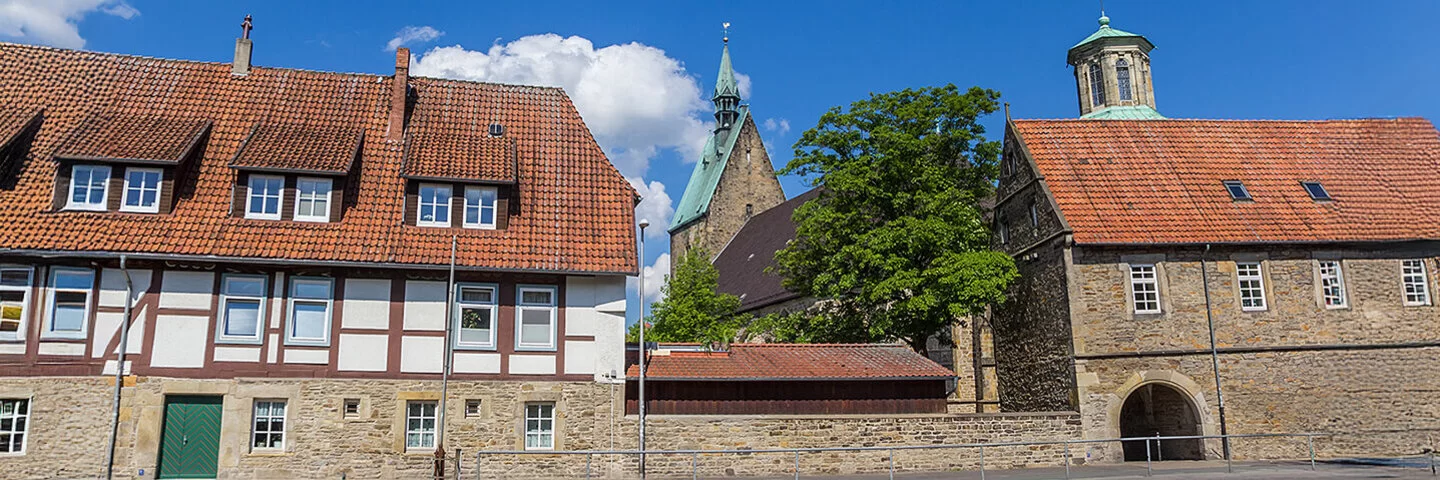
<point>494,84</point>
<point>182,60</point>
<point>827,345</point>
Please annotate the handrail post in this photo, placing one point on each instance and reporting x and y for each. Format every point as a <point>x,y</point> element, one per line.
<point>694,467</point>
<point>478,454</point>
<point>1159,452</point>
<point>892,464</point>
<point>1148,471</point>
<point>457,464</point>
<point>588,456</point>
<point>1310,445</point>
<point>797,464</point>
<point>982,462</point>
<point>1067,459</point>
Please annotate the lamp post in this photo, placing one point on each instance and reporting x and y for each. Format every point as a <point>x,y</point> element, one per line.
<point>643,223</point>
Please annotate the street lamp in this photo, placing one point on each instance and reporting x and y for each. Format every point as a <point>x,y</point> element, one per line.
<point>643,223</point>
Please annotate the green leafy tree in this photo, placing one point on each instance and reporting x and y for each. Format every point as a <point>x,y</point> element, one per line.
<point>897,240</point>
<point>692,310</point>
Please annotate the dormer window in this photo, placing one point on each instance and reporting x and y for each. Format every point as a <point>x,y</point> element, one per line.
<point>142,190</point>
<point>480,207</point>
<point>434,205</point>
<point>461,180</point>
<point>124,162</point>
<point>1316,190</point>
<point>312,199</point>
<point>265,195</point>
<point>294,172</point>
<point>88,187</point>
<point>1237,191</point>
<point>1122,79</point>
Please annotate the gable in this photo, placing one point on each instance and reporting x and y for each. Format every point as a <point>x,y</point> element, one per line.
<point>695,202</point>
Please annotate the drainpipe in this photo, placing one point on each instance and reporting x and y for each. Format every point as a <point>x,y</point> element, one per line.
<point>445,371</point>
<point>1214,353</point>
<point>119,372</point>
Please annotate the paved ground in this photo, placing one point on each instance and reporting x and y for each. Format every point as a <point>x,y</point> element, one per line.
<point>1177,470</point>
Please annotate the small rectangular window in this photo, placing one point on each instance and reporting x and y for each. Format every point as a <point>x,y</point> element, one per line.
<point>14,424</point>
<point>475,309</point>
<point>242,308</point>
<point>535,318</point>
<point>539,426</point>
<point>1252,285</point>
<point>310,300</point>
<point>480,207</point>
<point>1034,216</point>
<point>1145,289</point>
<point>14,301</point>
<point>419,424</point>
<point>88,187</point>
<point>1415,281</point>
<point>1004,233</point>
<point>142,190</point>
<point>1332,284</point>
<point>351,408</point>
<point>1316,191</point>
<point>69,311</point>
<point>472,408</point>
<point>434,205</point>
<point>269,424</point>
<point>266,193</point>
<point>312,199</point>
<point>1237,190</point>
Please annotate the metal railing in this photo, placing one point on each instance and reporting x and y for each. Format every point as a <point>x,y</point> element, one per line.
<point>890,451</point>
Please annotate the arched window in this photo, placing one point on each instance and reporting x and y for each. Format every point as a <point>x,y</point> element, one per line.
<point>1097,85</point>
<point>1122,78</point>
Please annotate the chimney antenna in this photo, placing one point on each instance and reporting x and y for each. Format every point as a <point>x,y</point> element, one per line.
<point>726,37</point>
<point>245,27</point>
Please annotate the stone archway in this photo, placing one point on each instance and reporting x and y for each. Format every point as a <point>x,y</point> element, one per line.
<point>1158,408</point>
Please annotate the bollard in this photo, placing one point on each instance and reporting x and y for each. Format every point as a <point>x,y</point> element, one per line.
<point>892,464</point>
<point>1067,460</point>
<point>1148,471</point>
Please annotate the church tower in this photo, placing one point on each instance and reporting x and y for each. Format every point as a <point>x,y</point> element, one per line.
<point>1112,75</point>
<point>732,181</point>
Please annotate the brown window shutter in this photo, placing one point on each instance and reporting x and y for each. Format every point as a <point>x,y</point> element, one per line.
<point>62,184</point>
<point>287,199</point>
<point>457,205</point>
<point>242,195</point>
<point>167,190</point>
<point>412,201</point>
<point>502,208</point>
<point>115,193</point>
<point>337,197</point>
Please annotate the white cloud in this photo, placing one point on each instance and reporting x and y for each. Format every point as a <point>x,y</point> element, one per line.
<point>655,206</point>
<point>780,127</point>
<point>742,81</point>
<point>413,34</point>
<point>636,100</point>
<point>655,277</point>
<point>55,22</point>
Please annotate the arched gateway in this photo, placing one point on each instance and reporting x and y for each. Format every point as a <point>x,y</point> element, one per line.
<point>1160,409</point>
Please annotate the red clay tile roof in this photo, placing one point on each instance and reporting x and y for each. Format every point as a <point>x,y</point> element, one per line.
<point>145,136</point>
<point>575,213</point>
<point>1160,181</point>
<point>794,362</point>
<point>469,157</point>
<point>13,122</point>
<point>299,148</point>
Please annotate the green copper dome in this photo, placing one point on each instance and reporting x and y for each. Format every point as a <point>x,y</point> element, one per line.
<point>1106,32</point>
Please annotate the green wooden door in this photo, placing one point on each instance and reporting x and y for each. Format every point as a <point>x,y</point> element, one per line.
<point>190,440</point>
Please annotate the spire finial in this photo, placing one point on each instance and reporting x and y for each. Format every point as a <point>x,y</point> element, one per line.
<point>726,37</point>
<point>245,27</point>
<point>1104,20</point>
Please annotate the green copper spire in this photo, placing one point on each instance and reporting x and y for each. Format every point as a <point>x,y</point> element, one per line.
<point>727,91</point>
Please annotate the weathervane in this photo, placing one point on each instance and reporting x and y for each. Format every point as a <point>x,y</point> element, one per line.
<point>726,38</point>
<point>245,27</point>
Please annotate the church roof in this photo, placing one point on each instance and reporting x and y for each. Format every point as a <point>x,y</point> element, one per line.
<point>725,82</point>
<point>1105,32</point>
<point>1124,112</point>
<point>743,262</point>
<point>695,202</point>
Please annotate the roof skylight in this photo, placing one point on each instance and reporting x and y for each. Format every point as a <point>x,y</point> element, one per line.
<point>1316,190</point>
<point>1237,190</point>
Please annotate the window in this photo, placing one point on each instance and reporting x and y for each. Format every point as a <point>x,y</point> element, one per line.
<point>1417,284</point>
<point>142,190</point>
<point>265,194</point>
<point>1034,216</point>
<point>269,425</point>
<point>1122,78</point>
<point>1332,284</point>
<point>14,420</point>
<point>69,302</point>
<point>1145,289</point>
<point>472,408</point>
<point>535,314</point>
<point>475,316</point>
<point>539,426</point>
<point>1252,286</point>
<point>309,311</point>
<point>242,308</point>
<point>1237,190</point>
<point>1097,85</point>
<point>351,408</point>
<point>87,187</point>
<point>14,301</point>
<point>434,205</point>
<point>420,424</point>
<point>1316,191</point>
<point>312,199</point>
<point>479,207</point>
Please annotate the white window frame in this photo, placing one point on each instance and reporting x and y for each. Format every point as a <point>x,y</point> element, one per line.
<point>1144,284</point>
<point>494,305</point>
<point>422,432</point>
<point>474,408</point>
<point>251,196</point>
<point>434,205</point>
<point>16,418</point>
<point>1420,281</point>
<point>25,308</point>
<point>291,300</point>
<point>221,318</point>
<point>521,307</point>
<point>480,208</point>
<point>270,417</point>
<point>1259,278</point>
<point>140,190</point>
<point>315,198</point>
<point>1332,284</point>
<point>104,204</point>
<point>544,438</point>
<point>49,331</point>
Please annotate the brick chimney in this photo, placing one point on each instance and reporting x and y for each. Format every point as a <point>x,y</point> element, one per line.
<point>243,49</point>
<point>399,90</point>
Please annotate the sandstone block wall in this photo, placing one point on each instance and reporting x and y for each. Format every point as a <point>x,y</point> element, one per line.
<point>748,180</point>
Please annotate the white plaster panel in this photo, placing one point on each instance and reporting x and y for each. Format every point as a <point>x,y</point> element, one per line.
<point>12,348</point>
<point>272,347</point>
<point>277,304</point>
<point>476,363</point>
<point>187,289</point>
<point>237,354</point>
<point>610,295</point>
<point>609,324</point>
<point>112,286</point>
<point>424,305</point>
<point>365,353</point>
<point>367,304</point>
<point>580,306</point>
<point>532,364</point>
<point>182,340</point>
<point>136,342</point>
<point>580,357</point>
<point>110,367</point>
<point>314,357</point>
<point>106,323</point>
<point>422,354</point>
<point>50,348</point>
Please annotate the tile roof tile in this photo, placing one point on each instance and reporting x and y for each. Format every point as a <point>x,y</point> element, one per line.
<point>794,361</point>
<point>460,157</point>
<point>292,147</point>
<point>147,136</point>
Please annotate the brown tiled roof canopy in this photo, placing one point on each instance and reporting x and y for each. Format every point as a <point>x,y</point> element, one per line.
<point>461,157</point>
<point>300,148</point>
<point>775,361</point>
<point>1161,181</point>
<point>574,212</point>
<point>134,136</point>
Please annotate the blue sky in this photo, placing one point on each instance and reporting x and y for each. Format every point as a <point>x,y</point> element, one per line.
<point>642,72</point>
